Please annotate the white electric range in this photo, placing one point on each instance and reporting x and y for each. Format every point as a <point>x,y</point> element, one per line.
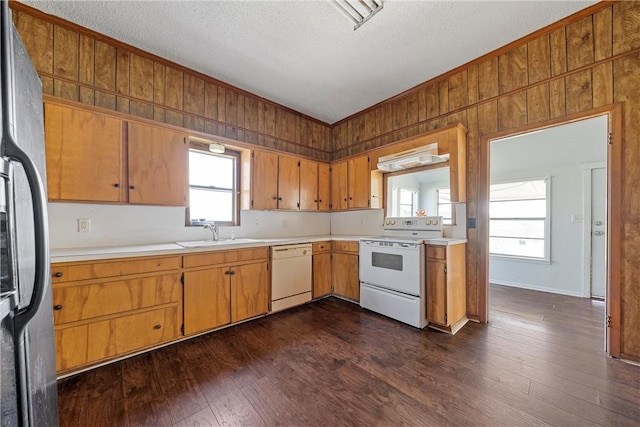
<point>392,269</point>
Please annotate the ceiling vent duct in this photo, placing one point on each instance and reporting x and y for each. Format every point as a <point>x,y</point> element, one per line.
<point>420,156</point>
<point>358,11</point>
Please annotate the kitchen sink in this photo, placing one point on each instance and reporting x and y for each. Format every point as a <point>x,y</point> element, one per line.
<point>202,243</point>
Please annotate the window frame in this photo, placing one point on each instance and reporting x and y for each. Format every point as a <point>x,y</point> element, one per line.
<point>414,199</point>
<point>204,148</point>
<point>450,220</point>
<point>546,259</point>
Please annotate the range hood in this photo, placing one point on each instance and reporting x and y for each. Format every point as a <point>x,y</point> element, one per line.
<point>414,158</point>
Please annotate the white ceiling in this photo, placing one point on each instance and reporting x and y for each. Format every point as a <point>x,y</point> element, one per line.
<point>305,54</point>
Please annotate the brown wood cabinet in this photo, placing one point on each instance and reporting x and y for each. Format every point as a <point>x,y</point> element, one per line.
<point>351,184</point>
<point>321,269</point>
<point>84,155</point>
<point>233,286</point>
<point>446,287</point>
<point>94,157</point>
<point>158,165</point>
<point>288,182</point>
<point>346,281</point>
<point>105,309</point>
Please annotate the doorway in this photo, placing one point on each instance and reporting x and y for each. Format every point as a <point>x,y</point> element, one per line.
<point>595,230</point>
<point>612,117</point>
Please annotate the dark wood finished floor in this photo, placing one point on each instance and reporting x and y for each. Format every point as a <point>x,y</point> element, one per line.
<point>539,362</point>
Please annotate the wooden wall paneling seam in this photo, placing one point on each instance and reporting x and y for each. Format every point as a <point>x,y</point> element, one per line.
<point>554,78</point>
<point>495,53</point>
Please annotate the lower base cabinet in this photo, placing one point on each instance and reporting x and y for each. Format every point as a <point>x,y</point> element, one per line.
<point>106,309</point>
<point>227,293</point>
<point>446,287</point>
<point>346,281</point>
<point>321,269</point>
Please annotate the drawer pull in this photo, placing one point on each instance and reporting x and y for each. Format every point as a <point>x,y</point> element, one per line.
<point>116,185</point>
<point>157,327</point>
<point>132,187</point>
<point>57,307</point>
<point>58,274</point>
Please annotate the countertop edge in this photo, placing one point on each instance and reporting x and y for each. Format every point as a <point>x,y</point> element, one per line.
<point>161,249</point>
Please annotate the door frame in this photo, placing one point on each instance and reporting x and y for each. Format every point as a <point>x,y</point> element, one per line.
<point>587,178</point>
<point>614,214</point>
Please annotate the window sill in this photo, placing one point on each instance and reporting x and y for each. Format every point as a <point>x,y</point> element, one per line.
<point>520,259</point>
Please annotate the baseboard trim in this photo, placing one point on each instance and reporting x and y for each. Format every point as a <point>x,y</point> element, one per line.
<point>537,288</point>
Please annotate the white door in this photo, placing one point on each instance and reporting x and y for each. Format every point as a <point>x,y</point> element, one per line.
<point>598,232</point>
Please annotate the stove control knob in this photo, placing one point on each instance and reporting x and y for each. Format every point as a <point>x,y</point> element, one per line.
<point>393,222</point>
<point>428,222</point>
<point>388,222</point>
<point>435,222</point>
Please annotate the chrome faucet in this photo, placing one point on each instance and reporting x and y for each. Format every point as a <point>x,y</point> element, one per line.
<point>213,228</point>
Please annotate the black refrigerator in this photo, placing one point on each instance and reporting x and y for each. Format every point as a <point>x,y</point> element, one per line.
<point>28,391</point>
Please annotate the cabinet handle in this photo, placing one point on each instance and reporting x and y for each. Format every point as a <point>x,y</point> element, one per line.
<point>350,198</point>
<point>319,200</point>
<point>232,272</point>
<point>345,200</point>
<point>275,197</point>
<point>279,198</point>
<point>132,187</point>
<point>157,327</point>
<point>57,307</point>
<point>227,272</point>
<point>116,185</point>
<point>58,274</point>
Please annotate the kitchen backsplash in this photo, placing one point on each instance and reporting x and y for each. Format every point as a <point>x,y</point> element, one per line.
<point>359,223</point>
<point>113,225</point>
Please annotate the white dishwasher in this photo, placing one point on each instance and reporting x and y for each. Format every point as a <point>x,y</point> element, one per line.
<point>290,275</point>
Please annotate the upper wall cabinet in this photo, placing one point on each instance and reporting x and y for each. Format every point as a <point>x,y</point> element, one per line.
<point>351,184</point>
<point>84,155</point>
<point>157,165</point>
<point>96,157</point>
<point>288,183</point>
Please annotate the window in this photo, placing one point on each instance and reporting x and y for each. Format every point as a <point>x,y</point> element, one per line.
<point>213,187</point>
<point>444,205</point>
<point>404,201</point>
<point>519,221</point>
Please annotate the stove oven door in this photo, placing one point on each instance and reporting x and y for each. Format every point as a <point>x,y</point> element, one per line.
<point>391,265</point>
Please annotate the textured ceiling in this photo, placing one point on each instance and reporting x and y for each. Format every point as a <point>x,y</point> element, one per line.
<point>305,54</point>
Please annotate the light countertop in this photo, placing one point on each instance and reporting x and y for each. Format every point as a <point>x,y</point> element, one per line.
<point>109,252</point>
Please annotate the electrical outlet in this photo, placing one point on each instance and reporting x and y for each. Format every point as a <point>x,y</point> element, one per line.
<point>84,225</point>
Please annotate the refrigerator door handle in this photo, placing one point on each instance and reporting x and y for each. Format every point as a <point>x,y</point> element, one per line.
<point>41,234</point>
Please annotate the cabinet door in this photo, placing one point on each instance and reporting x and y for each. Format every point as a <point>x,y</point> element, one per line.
<point>436,292</point>
<point>345,275</point>
<point>288,183</point>
<point>249,291</point>
<point>324,186</point>
<point>359,182</point>
<point>308,185</point>
<point>321,274</point>
<point>264,185</point>
<point>339,186</point>
<point>158,165</point>
<point>84,155</point>
<point>207,299</point>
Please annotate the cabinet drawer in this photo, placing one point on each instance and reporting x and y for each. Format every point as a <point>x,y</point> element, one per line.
<point>92,342</point>
<point>224,257</point>
<point>120,267</point>
<point>80,302</point>
<point>342,246</point>
<point>320,247</point>
<point>436,252</point>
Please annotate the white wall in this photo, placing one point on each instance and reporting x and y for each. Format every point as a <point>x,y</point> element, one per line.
<point>558,152</point>
<point>358,223</point>
<point>113,225</point>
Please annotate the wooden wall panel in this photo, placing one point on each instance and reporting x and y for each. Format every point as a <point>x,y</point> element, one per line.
<point>580,43</point>
<point>538,103</point>
<point>458,90</point>
<point>512,69</point>
<point>81,65</point>
<point>627,91</point>
<point>488,79</point>
<point>626,26</point>
<point>579,94</point>
<point>603,34</point>
<point>512,111</point>
<point>558,40</point>
<point>557,98</point>
<point>539,59</point>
